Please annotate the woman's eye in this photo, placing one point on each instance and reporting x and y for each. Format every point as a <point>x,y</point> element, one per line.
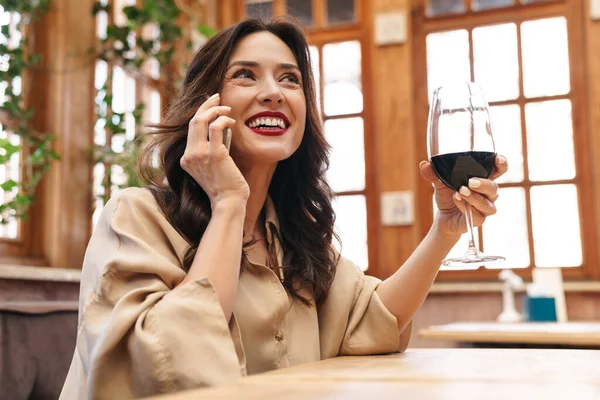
<point>291,78</point>
<point>244,74</point>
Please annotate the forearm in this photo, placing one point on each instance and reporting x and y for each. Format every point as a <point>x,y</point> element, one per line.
<point>220,251</point>
<point>404,292</point>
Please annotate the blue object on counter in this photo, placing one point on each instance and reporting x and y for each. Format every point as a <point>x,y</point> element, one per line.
<point>539,309</point>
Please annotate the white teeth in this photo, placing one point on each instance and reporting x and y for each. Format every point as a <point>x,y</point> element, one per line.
<point>268,122</point>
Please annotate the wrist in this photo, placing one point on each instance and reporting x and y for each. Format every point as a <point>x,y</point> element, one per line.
<point>229,204</point>
<point>439,232</point>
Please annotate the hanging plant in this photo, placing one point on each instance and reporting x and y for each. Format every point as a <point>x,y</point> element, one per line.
<point>34,147</point>
<point>173,21</point>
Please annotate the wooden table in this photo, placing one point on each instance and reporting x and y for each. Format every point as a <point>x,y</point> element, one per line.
<point>426,374</point>
<point>573,334</point>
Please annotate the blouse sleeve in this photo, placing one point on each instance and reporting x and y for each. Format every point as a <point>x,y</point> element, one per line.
<point>354,321</point>
<point>139,333</point>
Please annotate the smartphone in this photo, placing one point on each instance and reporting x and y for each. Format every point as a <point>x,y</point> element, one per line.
<point>227,138</point>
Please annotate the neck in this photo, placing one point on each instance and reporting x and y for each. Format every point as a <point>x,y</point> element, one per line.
<point>258,179</point>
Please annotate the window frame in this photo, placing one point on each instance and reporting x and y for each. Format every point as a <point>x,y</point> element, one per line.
<point>574,14</point>
<point>19,250</point>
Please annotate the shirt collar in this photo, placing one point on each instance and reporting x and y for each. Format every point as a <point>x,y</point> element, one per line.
<point>271,220</point>
<point>273,231</point>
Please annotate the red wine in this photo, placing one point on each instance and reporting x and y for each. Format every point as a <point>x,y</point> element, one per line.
<point>455,169</point>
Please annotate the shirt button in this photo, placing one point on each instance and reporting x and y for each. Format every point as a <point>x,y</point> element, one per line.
<point>279,336</point>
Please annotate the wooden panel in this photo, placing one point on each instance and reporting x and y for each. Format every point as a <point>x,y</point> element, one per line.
<point>65,100</point>
<point>394,134</point>
<point>228,12</point>
<point>370,140</point>
<point>592,73</point>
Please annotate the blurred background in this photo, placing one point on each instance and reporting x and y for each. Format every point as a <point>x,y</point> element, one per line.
<point>80,78</point>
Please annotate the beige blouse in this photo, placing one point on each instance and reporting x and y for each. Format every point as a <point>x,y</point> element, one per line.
<point>139,334</point>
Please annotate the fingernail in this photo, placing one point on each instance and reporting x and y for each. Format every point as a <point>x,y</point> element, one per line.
<point>214,96</point>
<point>422,163</point>
<point>227,107</point>
<point>464,191</point>
<point>457,196</point>
<point>501,160</point>
<point>474,183</point>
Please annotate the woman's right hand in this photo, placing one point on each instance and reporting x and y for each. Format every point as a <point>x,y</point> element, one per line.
<point>207,160</point>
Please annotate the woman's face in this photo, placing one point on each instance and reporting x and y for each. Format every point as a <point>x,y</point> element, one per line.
<point>263,87</point>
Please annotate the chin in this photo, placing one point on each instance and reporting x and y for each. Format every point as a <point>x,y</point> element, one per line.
<point>270,154</point>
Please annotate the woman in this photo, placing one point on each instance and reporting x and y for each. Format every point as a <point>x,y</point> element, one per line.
<point>224,265</point>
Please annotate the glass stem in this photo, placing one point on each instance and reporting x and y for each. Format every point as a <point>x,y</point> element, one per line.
<point>469,219</point>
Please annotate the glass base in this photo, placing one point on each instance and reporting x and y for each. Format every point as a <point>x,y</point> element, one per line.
<point>472,259</point>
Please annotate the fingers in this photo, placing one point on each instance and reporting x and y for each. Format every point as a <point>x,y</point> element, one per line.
<point>215,131</point>
<point>201,127</point>
<point>501,167</point>
<point>205,114</point>
<point>212,101</point>
<point>478,201</point>
<point>486,187</point>
<point>429,175</point>
<point>200,123</point>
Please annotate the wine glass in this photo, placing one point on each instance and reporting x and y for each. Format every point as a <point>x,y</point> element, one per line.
<point>460,146</point>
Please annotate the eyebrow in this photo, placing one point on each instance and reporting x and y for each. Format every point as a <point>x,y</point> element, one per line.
<point>255,64</point>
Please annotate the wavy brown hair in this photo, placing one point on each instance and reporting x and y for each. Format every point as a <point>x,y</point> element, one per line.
<point>299,189</point>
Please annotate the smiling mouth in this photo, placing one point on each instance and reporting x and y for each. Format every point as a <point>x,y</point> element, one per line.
<point>268,126</point>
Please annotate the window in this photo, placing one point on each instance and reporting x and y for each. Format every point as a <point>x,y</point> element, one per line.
<point>337,44</point>
<point>115,86</point>
<point>10,233</point>
<point>525,57</point>
<point>11,170</point>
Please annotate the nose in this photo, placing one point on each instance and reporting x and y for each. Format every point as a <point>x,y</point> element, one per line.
<point>270,92</point>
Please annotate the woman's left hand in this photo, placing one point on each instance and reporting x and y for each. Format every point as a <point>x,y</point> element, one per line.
<point>481,195</point>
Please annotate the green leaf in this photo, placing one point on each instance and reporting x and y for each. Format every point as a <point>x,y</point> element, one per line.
<point>23,200</point>
<point>98,6</point>
<point>206,31</point>
<point>131,12</point>
<point>9,185</point>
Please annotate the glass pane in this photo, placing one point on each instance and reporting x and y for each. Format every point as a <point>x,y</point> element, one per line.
<point>101,74</point>
<point>301,9</point>
<point>444,7</point>
<point>351,225</point>
<point>496,61</point>
<point>118,82</point>
<point>342,78</point>
<point>347,169</point>
<point>556,232</point>
<point>101,24</point>
<point>314,59</point>
<point>505,234</point>
<point>8,171</point>
<point>481,5</point>
<point>506,122</point>
<point>339,11</point>
<point>262,9</point>
<point>118,179</point>
<point>99,192</point>
<point>447,58</point>
<point>545,57</point>
<point>550,150</point>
